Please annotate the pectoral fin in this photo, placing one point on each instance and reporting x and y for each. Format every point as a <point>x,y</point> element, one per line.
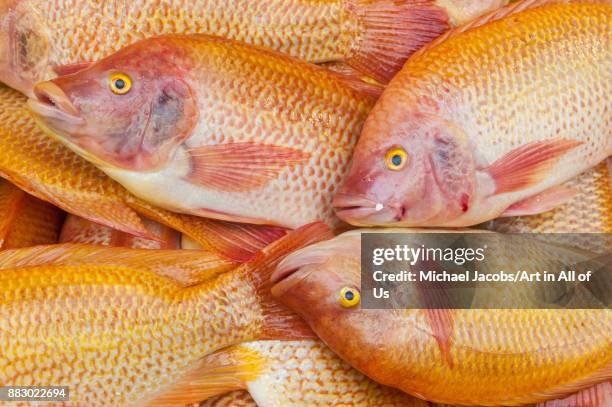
<point>237,167</point>
<point>542,202</point>
<point>529,164</point>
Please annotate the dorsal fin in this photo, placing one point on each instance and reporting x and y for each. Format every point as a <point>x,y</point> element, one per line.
<point>503,12</point>
<point>186,267</point>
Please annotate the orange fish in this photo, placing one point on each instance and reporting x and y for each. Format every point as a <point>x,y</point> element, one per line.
<point>487,357</point>
<point>48,170</point>
<point>211,127</point>
<point>25,220</point>
<point>488,120</point>
<point>40,39</point>
<point>132,327</point>
<point>79,230</point>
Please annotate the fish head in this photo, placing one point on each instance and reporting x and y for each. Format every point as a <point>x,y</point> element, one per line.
<point>316,281</point>
<point>417,171</point>
<point>24,46</point>
<point>129,111</point>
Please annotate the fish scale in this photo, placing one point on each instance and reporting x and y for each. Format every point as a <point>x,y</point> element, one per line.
<point>130,330</point>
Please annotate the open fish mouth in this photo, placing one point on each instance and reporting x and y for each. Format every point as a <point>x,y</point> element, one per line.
<point>52,105</point>
<point>356,209</point>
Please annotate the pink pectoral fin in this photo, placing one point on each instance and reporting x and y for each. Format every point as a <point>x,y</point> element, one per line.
<point>68,69</point>
<point>528,164</point>
<point>542,202</point>
<point>238,167</point>
<point>596,396</point>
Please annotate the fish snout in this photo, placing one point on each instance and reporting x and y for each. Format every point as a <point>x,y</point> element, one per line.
<point>299,265</point>
<point>360,210</point>
<point>52,95</point>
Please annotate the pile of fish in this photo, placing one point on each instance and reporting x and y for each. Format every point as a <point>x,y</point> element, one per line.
<point>181,183</point>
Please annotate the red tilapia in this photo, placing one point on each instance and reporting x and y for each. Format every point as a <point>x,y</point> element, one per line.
<point>488,120</point>
<point>211,127</point>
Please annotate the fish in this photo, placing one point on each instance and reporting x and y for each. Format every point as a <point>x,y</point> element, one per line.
<point>40,40</point>
<point>486,357</point>
<point>48,170</point>
<point>210,127</point>
<point>25,220</point>
<point>295,373</point>
<point>487,121</point>
<point>121,329</point>
<point>78,230</point>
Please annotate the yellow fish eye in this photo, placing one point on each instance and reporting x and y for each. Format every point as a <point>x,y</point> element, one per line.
<point>349,297</point>
<point>396,158</point>
<point>120,83</point>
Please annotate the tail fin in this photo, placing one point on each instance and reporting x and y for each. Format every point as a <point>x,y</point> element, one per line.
<point>227,370</point>
<point>280,322</point>
<point>391,32</point>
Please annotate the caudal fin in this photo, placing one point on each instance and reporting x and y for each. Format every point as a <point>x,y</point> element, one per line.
<point>280,322</point>
<point>391,31</point>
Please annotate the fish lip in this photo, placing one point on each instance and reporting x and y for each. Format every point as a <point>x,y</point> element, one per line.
<point>292,270</point>
<point>50,101</point>
<point>359,210</point>
<point>50,113</point>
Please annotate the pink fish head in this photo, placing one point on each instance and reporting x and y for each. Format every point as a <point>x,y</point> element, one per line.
<point>130,111</point>
<point>24,45</point>
<point>409,169</point>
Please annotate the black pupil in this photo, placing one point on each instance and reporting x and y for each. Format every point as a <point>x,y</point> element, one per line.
<point>397,160</point>
<point>349,295</point>
<point>120,84</point>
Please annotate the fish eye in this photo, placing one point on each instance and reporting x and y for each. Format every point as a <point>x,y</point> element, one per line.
<point>349,297</point>
<point>396,158</point>
<point>120,83</point>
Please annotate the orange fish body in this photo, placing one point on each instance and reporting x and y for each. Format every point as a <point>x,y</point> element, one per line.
<point>488,120</point>
<point>213,128</point>
<point>475,357</point>
<point>51,172</point>
<point>119,328</point>
<point>25,220</point>
<point>42,39</point>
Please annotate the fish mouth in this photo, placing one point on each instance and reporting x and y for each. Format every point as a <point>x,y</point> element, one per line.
<point>362,211</point>
<point>299,265</point>
<point>52,105</point>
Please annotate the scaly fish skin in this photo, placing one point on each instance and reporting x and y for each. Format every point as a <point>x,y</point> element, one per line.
<point>486,119</point>
<point>40,39</point>
<point>213,128</point>
<point>122,330</point>
<point>486,357</point>
<point>305,373</point>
